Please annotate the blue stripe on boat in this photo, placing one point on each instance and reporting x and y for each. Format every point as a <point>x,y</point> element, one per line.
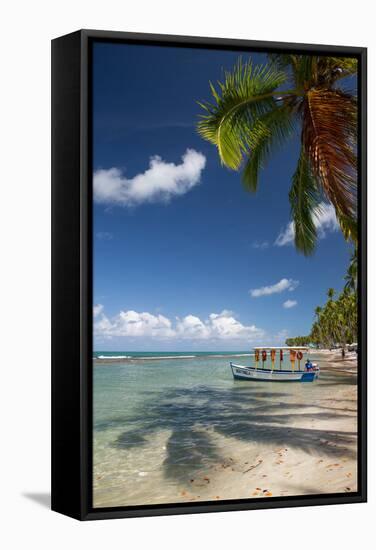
<point>244,379</point>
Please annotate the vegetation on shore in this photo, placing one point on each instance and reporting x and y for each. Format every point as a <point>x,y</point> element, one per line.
<point>299,341</point>
<point>335,323</point>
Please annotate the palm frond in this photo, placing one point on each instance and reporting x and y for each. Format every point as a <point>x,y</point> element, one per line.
<point>252,111</point>
<point>329,140</point>
<point>348,225</point>
<point>306,71</point>
<point>343,66</point>
<point>304,200</point>
<point>246,93</point>
<point>283,61</point>
<point>269,131</point>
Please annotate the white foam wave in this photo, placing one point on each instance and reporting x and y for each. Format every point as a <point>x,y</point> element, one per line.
<point>114,357</point>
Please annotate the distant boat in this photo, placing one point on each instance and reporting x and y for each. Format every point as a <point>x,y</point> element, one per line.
<point>307,372</point>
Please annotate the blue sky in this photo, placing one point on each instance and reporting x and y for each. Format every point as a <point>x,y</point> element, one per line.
<point>181,250</point>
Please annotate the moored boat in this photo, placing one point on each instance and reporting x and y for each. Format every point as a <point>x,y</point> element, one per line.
<point>297,373</point>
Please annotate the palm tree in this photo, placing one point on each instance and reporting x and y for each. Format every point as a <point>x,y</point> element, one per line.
<point>330,294</point>
<point>257,107</point>
<point>318,311</point>
<point>337,321</point>
<point>317,333</point>
<point>351,276</point>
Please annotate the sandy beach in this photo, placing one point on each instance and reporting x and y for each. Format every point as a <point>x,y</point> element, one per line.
<point>321,460</point>
<point>316,450</point>
<point>288,444</point>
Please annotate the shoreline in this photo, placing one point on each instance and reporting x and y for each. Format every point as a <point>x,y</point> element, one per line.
<point>324,354</point>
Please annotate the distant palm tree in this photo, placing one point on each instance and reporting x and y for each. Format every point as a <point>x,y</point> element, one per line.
<point>317,326</point>
<point>330,294</point>
<point>257,107</point>
<point>318,310</point>
<point>351,276</point>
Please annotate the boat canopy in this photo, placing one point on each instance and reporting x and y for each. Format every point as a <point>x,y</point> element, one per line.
<point>296,348</point>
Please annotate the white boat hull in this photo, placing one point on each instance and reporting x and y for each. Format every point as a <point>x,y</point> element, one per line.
<point>240,372</point>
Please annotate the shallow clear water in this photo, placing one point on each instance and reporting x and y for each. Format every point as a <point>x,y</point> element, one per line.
<point>157,422</point>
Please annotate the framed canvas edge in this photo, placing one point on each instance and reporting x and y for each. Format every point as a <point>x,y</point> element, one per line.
<point>87,511</point>
<point>215,42</point>
<point>66,382</point>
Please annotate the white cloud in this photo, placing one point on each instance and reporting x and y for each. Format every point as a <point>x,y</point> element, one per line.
<point>133,324</point>
<point>97,310</point>
<point>104,235</point>
<point>261,245</point>
<point>219,326</point>
<point>325,221</point>
<point>289,304</point>
<point>191,326</point>
<point>159,183</point>
<point>286,236</point>
<point>281,286</point>
<point>225,327</point>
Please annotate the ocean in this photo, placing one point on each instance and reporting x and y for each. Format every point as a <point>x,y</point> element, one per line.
<point>162,419</point>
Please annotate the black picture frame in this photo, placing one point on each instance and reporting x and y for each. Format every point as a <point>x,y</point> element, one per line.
<point>72,276</point>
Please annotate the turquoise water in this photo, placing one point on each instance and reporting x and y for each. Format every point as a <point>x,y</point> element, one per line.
<point>166,354</point>
<point>158,421</point>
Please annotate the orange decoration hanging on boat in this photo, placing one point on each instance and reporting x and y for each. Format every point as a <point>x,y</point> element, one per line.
<point>272,355</point>
<point>299,356</point>
<point>257,355</point>
<point>292,355</point>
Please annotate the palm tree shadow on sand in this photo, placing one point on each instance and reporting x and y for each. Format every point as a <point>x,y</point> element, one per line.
<point>191,414</point>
